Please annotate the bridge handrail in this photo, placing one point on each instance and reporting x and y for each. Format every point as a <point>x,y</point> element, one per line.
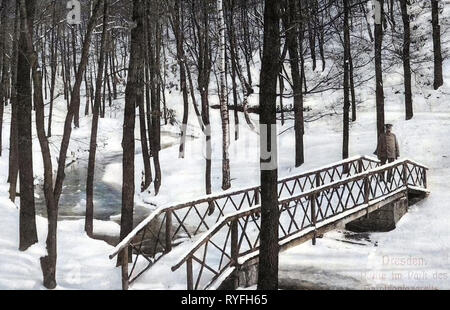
<point>164,209</point>
<point>207,235</point>
<point>352,178</point>
<point>240,214</point>
<point>209,198</point>
<point>225,220</point>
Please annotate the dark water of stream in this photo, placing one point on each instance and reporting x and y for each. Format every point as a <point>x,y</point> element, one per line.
<point>107,197</point>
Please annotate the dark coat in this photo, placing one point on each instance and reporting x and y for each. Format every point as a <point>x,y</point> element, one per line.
<point>388,146</point>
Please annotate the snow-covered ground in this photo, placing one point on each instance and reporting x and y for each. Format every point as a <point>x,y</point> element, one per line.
<point>82,262</point>
<point>415,255</point>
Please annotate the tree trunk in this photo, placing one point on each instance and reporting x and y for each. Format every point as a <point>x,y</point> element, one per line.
<point>54,68</point>
<point>378,66</point>
<point>438,78</point>
<point>321,38</point>
<point>226,179</point>
<point>407,59</point>
<point>346,120</point>
<point>3,64</point>
<point>105,81</point>
<point>178,31</point>
<point>296,82</point>
<point>155,77</point>
<point>369,30</point>
<point>128,145</point>
<point>48,263</point>
<point>233,48</point>
<point>352,87</point>
<point>13,137</point>
<point>148,178</point>
<point>269,248</point>
<point>28,233</point>
<point>311,33</point>
<point>204,71</point>
<point>89,220</point>
<point>140,101</point>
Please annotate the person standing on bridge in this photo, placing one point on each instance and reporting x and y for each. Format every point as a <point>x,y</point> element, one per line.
<point>387,149</point>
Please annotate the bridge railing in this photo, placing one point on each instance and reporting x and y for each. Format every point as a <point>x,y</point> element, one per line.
<point>237,236</point>
<point>172,225</point>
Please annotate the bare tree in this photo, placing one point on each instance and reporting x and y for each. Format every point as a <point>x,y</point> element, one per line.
<point>379,13</point>
<point>226,182</point>
<point>438,79</point>
<point>13,135</point>
<point>128,144</point>
<point>181,59</point>
<point>94,129</point>
<point>53,65</point>
<point>154,62</point>
<point>269,248</point>
<point>28,233</point>
<point>407,59</point>
<point>346,120</point>
<point>290,22</point>
<point>3,63</point>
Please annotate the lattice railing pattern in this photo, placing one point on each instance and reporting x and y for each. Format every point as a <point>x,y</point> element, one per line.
<point>297,214</point>
<point>219,252</point>
<point>176,224</point>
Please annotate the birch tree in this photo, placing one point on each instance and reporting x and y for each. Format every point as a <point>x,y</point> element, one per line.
<point>226,183</point>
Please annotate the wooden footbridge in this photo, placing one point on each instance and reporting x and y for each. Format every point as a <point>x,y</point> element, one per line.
<point>222,231</point>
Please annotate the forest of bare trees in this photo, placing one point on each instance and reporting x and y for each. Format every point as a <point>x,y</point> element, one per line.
<point>121,49</point>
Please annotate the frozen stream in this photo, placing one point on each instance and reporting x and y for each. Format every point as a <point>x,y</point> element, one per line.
<point>107,197</point>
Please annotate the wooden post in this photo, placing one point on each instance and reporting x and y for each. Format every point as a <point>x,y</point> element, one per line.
<point>366,190</point>
<point>345,169</point>
<point>405,175</point>
<point>366,193</point>
<point>168,231</point>
<point>360,166</point>
<point>125,280</point>
<point>313,216</point>
<point>190,281</point>
<point>235,252</point>
<point>425,178</point>
<point>318,181</point>
<point>256,197</point>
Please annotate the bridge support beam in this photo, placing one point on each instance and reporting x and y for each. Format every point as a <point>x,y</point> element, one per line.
<point>381,220</point>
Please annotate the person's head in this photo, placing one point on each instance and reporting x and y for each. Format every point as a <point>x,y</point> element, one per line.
<point>388,128</point>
